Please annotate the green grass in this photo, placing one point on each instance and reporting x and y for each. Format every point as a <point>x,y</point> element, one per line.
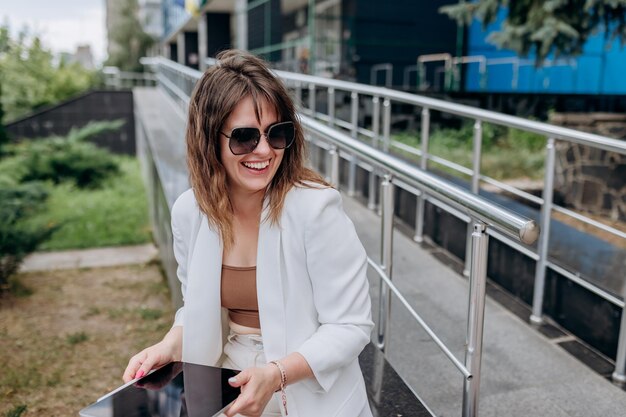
<point>506,153</point>
<point>116,214</point>
<point>16,411</point>
<point>76,338</point>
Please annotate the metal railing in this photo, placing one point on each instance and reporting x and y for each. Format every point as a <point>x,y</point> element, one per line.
<point>452,71</point>
<point>378,134</point>
<point>381,121</point>
<point>483,214</point>
<point>179,87</point>
<point>116,79</point>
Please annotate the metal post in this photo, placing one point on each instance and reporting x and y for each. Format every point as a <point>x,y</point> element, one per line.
<point>619,375</point>
<point>334,166</point>
<point>312,99</point>
<point>375,120</point>
<point>419,210</point>
<point>299,94</point>
<point>386,260</point>
<point>312,40</point>
<point>477,141</point>
<point>354,110</point>
<point>544,238</point>
<point>386,124</point>
<point>331,106</point>
<point>371,198</point>
<point>475,319</point>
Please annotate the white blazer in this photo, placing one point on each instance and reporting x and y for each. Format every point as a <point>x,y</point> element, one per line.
<point>312,291</point>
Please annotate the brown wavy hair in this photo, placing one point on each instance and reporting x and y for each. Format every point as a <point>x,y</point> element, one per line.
<point>221,88</point>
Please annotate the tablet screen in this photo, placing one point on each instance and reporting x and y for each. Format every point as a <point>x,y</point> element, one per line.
<point>175,390</point>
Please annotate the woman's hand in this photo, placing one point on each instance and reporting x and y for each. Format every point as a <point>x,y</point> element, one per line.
<point>166,351</point>
<point>257,386</point>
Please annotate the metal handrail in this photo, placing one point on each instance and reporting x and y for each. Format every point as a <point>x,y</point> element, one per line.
<point>557,132</point>
<point>516,226</point>
<point>482,213</point>
<point>381,101</point>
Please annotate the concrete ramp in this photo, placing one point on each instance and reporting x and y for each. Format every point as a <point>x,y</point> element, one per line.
<point>524,373</point>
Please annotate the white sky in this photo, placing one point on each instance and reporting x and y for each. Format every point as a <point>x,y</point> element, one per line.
<point>61,24</point>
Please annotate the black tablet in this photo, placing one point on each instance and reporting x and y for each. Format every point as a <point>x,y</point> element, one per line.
<point>176,390</point>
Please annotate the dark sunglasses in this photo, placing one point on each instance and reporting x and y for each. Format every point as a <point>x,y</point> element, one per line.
<point>243,140</point>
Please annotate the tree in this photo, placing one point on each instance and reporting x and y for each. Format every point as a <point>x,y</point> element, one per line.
<point>129,41</point>
<point>559,27</point>
<point>30,76</point>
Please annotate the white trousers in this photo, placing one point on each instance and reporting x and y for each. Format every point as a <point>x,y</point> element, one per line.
<point>244,351</point>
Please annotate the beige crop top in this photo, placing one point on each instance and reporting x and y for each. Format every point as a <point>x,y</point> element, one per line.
<point>239,295</point>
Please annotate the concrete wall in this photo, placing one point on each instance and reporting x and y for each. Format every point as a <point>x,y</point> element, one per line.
<point>77,112</point>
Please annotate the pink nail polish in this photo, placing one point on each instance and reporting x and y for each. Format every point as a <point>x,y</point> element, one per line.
<point>139,374</point>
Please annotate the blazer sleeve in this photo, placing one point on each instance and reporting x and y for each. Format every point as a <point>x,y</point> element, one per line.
<point>180,237</point>
<point>337,265</point>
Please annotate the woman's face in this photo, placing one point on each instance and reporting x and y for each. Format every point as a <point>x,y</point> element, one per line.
<point>252,172</point>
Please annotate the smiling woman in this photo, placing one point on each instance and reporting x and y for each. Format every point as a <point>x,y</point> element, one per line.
<point>268,288</point>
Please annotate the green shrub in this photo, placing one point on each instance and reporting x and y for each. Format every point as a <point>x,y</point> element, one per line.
<point>61,159</point>
<point>17,236</point>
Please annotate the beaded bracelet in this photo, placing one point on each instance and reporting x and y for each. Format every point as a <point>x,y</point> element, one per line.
<point>283,383</point>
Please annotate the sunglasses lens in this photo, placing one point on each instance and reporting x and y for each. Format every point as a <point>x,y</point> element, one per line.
<point>280,136</point>
<point>243,140</point>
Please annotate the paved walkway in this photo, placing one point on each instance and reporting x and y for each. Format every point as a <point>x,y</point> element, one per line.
<point>90,258</point>
<point>523,372</point>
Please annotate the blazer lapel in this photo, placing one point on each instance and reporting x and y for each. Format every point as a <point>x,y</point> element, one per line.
<point>270,289</point>
<point>202,335</point>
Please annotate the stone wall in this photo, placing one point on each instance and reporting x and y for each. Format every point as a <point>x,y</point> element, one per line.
<point>590,179</point>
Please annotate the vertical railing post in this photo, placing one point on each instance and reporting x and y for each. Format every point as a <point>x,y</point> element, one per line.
<point>544,237</point>
<point>475,188</point>
<point>331,119</point>
<point>619,375</point>
<point>334,166</point>
<point>419,209</point>
<point>475,319</point>
<point>371,194</point>
<point>354,119</point>
<point>386,261</point>
<point>312,99</point>
<point>331,106</point>
<point>299,94</point>
<point>386,124</point>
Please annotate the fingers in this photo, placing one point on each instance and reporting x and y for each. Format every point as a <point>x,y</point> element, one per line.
<point>240,379</point>
<point>146,366</point>
<point>253,398</point>
<point>133,366</point>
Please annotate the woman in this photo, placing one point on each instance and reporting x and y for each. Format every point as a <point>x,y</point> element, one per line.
<point>273,274</point>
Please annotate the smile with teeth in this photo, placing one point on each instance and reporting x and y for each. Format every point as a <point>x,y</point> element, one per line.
<point>256,165</point>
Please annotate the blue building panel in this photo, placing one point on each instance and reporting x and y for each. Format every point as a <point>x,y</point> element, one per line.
<point>598,70</point>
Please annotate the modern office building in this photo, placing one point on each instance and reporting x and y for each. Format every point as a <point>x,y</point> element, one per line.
<point>337,38</point>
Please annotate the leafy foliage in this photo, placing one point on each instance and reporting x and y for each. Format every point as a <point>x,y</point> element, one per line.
<point>31,78</point>
<point>128,39</point>
<point>4,137</point>
<point>69,158</point>
<point>561,27</point>
<point>17,237</point>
